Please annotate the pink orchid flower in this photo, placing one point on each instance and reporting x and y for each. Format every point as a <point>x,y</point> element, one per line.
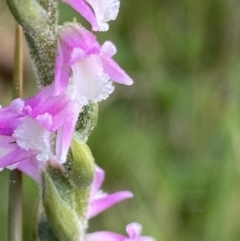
<point>134,234</point>
<point>100,201</point>
<point>97,12</point>
<point>86,66</point>
<point>39,128</point>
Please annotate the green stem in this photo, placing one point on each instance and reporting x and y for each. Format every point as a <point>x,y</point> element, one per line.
<point>15,179</point>
<point>15,206</point>
<point>39,21</point>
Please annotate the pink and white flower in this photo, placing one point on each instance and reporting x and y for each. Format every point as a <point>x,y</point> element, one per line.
<point>86,66</point>
<point>133,230</point>
<point>97,12</point>
<point>39,128</point>
<point>100,201</point>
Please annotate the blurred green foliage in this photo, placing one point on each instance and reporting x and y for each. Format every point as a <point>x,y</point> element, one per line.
<point>172,138</point>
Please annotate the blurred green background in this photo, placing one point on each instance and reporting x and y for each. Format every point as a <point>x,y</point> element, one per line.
<point>173,138</point>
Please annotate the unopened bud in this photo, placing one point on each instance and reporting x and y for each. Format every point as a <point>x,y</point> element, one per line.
<point>58,201</point>
<point>81,169</point>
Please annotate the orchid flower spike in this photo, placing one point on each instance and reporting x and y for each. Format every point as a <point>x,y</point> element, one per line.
<point>100,201</point>
<point>97,12</point>
<point>87,66</point>
<point>39,128</point>
<point>133,230</point>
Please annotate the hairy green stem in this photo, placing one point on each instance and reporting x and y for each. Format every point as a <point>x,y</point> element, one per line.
<point>39,21</point>
<point>15,179</point>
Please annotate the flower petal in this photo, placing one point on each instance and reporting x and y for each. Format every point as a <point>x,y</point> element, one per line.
<point>15,156</point>
<point>96,206</point>
<point>65,133</point>
<point>98,180</point>
<point>37,140</point>
<point>90,83</point>
<point>6,142</point>
<point>17,105</point>
<point>32,168</point>
<point>76,43</point>
<point>115,72</point>
<point>44,102</point>
<point>62,72</point>
<point>105,11</point>
<point>98,14</point>
<point>109,49</point>
<point>10,117</point>
<point>134,230</point>
<point>82,7</point>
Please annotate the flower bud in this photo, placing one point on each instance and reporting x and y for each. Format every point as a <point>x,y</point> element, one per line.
<point>80,166</point>
<point>81,171</point>
<point>58,202</point>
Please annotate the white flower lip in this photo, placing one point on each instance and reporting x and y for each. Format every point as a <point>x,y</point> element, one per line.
<point>37,140</point>
<point>90,83</point>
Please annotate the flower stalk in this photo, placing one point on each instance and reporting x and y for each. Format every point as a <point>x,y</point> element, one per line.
<point>45,136</point>
<point>15,179</point>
